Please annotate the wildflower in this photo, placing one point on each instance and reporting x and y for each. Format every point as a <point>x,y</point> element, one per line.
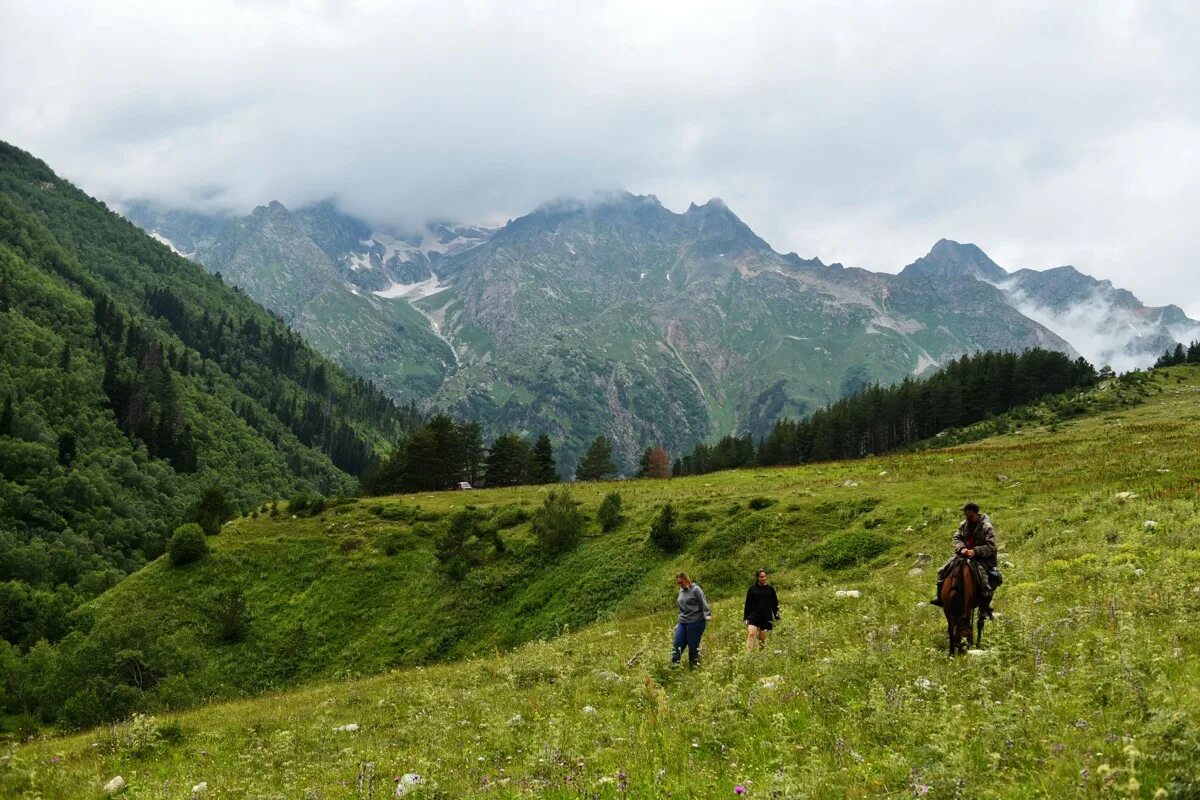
<point>739,789</point>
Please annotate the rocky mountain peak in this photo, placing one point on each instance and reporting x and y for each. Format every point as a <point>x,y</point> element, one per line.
<point>950,259</point>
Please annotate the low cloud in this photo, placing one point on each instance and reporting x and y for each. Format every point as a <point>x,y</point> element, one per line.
<point>1103,332</point>
<point>1046,133</point>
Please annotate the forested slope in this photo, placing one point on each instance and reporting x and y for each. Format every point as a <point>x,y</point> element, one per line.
<point>131,381</point>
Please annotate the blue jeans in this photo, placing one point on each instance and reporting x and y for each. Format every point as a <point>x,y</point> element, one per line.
<point>688,633</point>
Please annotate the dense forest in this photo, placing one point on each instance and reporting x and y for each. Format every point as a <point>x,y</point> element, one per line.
<point>878,419</point>
<point>132,383</point>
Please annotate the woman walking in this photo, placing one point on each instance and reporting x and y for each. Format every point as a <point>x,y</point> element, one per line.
<point>761,610</point>
<point>694,615</point>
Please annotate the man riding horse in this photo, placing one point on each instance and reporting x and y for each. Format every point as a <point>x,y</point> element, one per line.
<point>975,540</point>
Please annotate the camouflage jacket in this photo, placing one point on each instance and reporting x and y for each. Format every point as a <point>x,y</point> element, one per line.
<point>985,541</point>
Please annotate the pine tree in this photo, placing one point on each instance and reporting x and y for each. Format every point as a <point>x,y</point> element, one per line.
<point>508,461</point>
<point>597,463</point>
<point>644,463</point>
<point>472,452</point>
<point>543,469</point>
<point>664,532</point>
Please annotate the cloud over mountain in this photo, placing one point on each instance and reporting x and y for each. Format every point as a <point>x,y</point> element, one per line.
<point>1056,134</point>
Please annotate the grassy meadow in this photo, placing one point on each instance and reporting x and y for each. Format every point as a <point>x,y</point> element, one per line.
<point>536,678</point>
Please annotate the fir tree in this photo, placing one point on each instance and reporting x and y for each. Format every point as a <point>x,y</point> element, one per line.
<point>508,461</point>
<point>544,469</point>
<point>597,463</point>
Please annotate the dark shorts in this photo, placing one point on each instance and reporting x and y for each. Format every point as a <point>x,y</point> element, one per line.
<point>762,624</point>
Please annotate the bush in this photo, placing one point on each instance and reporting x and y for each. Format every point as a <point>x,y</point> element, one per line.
<point>298,504</point>
<point>399,512</point>
<point>759,503</point>
<point>187,544</point>
<point>609,513</point>
<point>464,543</point>
<point>558,524</point>
<point>511,517</point>
<point>664,531</point>
<point>232,619</point>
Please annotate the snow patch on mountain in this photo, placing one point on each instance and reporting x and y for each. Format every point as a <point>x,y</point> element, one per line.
<point>414,291</point>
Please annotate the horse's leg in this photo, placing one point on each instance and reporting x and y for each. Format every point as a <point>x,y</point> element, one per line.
<point>979,636</point>
<point>950,628</point>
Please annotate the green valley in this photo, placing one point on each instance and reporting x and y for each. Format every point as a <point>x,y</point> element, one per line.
<point>1084,686</point>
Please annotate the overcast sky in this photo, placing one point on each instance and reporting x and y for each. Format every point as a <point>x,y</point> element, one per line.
<point>1047,133</point>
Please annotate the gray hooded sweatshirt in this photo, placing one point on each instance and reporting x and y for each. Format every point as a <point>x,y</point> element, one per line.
<point>693,605</point>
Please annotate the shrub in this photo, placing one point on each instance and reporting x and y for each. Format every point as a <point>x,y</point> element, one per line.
<point>558,524</point>
<point>229,610</point>
<point>187,544</point>
<point>398,512</point>
<point>298,504</point>
<point>464,542</point>
<point>664,531</point>
<point>759,503</point>
<point>609,513</point>
<point>511,517</point>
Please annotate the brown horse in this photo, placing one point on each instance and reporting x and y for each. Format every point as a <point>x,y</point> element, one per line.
<point>960,597</point>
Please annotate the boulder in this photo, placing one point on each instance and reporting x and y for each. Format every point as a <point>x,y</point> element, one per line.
<point>915,571</point>
<point>589,709</point>
<point>200,788</point>
<point>1126,495</point>
<point>349,728</point>
<point>115,786</point>
<point>406,783</point>
<point>849,484</point>
<point>1150,524</point>
<point>843,593</point>
<point>923,559</point>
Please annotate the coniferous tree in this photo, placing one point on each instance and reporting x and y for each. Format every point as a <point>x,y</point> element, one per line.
<point>472,452</point>
<point>597,463</point>
<point>508,461</point>
<point>543,469</point>
<point>644,463</point>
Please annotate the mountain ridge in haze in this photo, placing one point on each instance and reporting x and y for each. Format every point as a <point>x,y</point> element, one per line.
<point>616,315</point>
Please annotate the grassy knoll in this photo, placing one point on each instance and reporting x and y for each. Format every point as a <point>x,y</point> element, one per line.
<point>1088,686</point>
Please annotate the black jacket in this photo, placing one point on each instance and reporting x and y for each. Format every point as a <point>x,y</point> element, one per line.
<point>762,604</point>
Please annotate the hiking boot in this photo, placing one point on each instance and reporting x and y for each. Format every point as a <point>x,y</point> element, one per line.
<point>985,610</point>
<point>937,595</point>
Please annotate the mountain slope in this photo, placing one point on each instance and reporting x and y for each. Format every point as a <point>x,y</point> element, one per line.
<point>1093,652</point>
<point>1108,325</point>
<point>133,379</point>
<point>347,591</point>
<point>614,316</point>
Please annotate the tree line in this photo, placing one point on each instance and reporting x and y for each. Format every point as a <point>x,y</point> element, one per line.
<point>1173,357</point>
<point>878,419</point>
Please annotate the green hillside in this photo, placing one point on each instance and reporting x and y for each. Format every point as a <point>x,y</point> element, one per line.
<point>1086,686</point>
<point>131,380</point>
